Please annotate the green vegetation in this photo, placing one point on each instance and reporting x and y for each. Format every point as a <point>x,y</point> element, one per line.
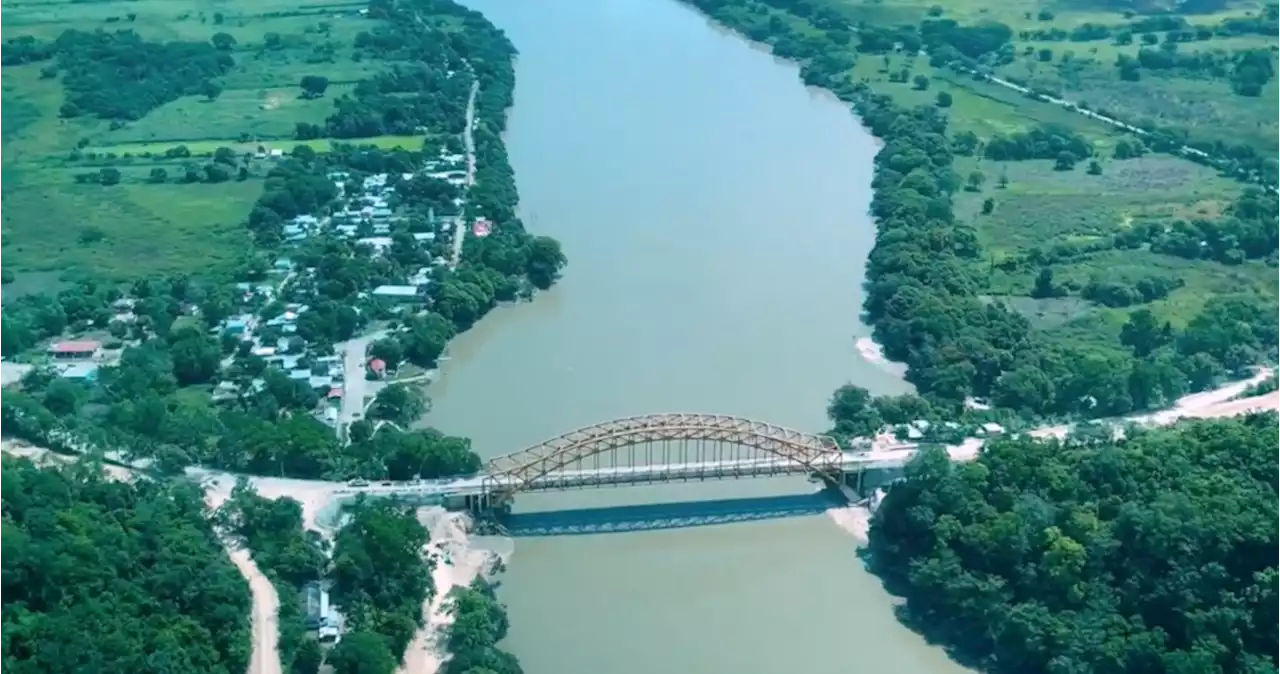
<point>156,399</point>
<point>248,78</point>
<point>290,556</point>
<point>380,581</point>
<point>950,278</point>
<point>104,576</point>
<point>1153,554</point>
<point>479,622</point>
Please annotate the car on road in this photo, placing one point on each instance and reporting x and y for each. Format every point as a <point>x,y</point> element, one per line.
<point>358,483</point>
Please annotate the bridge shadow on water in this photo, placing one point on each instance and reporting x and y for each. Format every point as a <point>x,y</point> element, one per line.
<point>659,516</point>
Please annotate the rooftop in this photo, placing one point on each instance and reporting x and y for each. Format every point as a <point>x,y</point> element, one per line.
<point>396,291</point>
<point>81,346</point>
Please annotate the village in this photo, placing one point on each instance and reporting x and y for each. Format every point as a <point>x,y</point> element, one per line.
<point>264,323</point>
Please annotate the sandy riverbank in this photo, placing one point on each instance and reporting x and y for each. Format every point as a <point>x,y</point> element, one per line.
<point>458,561</point>
<point>1217,403</point>
<point>873,353</point>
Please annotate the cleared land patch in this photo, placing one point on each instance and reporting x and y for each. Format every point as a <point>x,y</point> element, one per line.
<point>1068,220</point>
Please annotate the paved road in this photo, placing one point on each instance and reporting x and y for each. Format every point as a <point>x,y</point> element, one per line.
<point>469,138</point>
<point>353,371</point>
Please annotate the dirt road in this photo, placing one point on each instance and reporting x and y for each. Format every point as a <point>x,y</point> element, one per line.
<point>265,658</point>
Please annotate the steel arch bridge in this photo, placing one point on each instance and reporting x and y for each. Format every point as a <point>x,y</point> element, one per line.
<point>663,448</point>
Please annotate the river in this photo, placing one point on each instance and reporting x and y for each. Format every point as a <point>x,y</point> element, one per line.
<point>714,213</point>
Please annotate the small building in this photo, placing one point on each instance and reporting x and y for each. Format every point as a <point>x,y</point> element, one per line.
<point>75,350</point>
<point>320,615</point>
<point>992,428</point>
<point>398,293</point>
<point>80,371</point>
<point>235,326</point>
<point>378,367</point>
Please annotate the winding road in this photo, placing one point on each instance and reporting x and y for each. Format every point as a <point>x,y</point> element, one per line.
<point>469,139</point>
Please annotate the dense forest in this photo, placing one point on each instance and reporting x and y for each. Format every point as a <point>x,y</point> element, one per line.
<point>1156,553</point>
<point>119,75</point>
<point>105,576</point>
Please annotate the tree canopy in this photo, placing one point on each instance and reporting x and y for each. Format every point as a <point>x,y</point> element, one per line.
<point>105,576</point>
<point>1156,553</point>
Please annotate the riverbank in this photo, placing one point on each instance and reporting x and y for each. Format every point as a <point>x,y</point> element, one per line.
<point>931,299</point>
<point>457,563</point>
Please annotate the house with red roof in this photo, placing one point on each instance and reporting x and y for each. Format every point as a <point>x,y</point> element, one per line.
<point>378,367</point>
<point>75,350</point>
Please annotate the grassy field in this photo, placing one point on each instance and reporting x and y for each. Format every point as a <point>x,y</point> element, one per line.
<point>54,225</point>
<point>1205,106</point>
<point>1042,208</point>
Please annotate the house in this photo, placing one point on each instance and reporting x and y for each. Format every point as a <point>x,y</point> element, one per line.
<point>235,326</point>
<point>424,236</point>
<point>75,350</point>
<point>378,367</point>
<point>315,599</point>
<point>80,371</point>
<point>379,243</point>
<point>991,428</point>
<point>399,293</point>
<point>225,390</point>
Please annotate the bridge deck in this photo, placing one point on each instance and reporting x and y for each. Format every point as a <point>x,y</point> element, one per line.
<point>887,458</point>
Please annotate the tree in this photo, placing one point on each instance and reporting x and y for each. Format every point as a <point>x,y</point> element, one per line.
<point>210,90</point>
<point>1044,286</point>
<point>426,339</point>
<point>313,86</point>
<point>158,175</point>
<point>1065,161</point>
<point>308,658</point>
<point>399,403</point>
<point>362,652</point>
<point>988,205</point>
<point>545,262</point>
<point>388,350</point>
<point>109,176</point>
<point>975,181</point>
<point>943,99</point>
<point>1095,169</point>
<point>196,356</point>
<point>1144,333</point>
<point>920,82</point>
<point>223,41</point>
<point>216,173</point>
<point>851,411</point>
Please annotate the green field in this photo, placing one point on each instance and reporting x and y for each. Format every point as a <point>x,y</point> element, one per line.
<point>54,225</point>
<point>1041,208</point>
<point>1203,105</point>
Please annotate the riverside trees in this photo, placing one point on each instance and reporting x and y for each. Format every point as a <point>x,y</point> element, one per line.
<point>929,278</point>
<point>1152,554</point>
<point>380,581</point>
